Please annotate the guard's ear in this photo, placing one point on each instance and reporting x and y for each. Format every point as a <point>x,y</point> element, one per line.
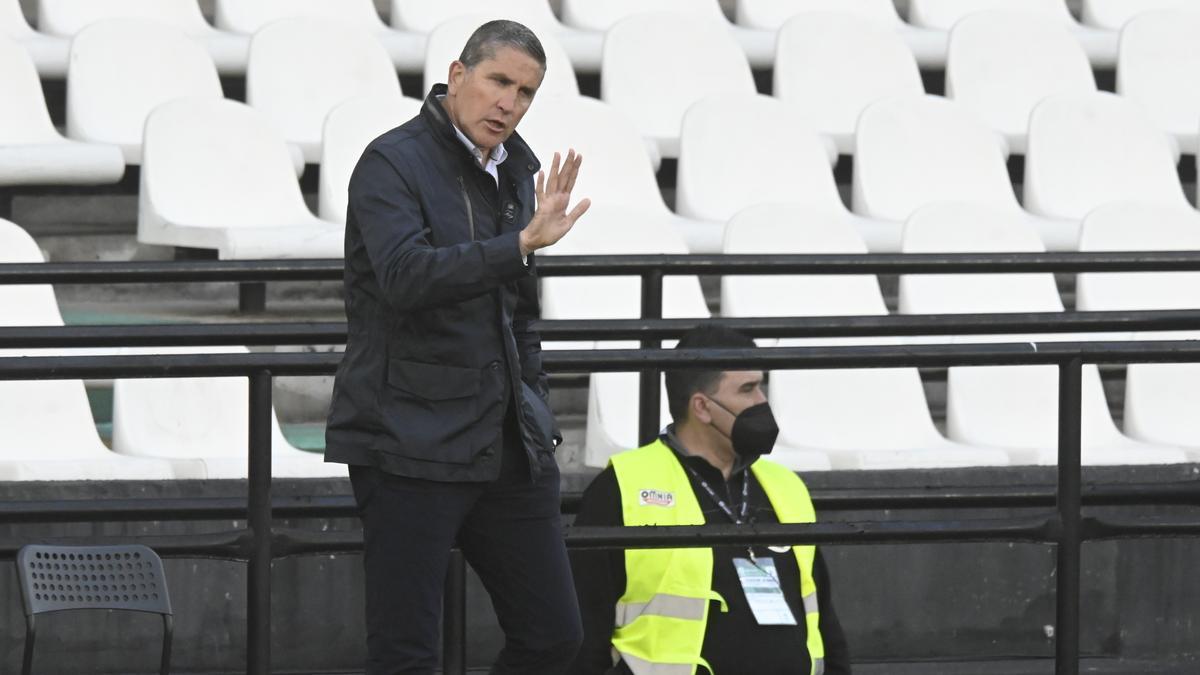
<point>698,408</point>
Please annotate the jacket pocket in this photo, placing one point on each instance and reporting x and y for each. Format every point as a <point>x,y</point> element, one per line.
<point>540,430</point>
<point>433,382</point>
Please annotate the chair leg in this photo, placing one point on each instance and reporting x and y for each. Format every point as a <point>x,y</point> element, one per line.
<point>168,631</point>
<point>30,638</point>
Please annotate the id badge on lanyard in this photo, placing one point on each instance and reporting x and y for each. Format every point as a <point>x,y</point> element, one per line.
<point>760,585</point>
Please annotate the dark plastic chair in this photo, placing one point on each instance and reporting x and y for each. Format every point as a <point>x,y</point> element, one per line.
<point>64,578</point>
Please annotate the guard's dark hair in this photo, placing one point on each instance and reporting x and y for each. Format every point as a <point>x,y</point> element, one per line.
<point>684,382</point>
<point>489,37</point>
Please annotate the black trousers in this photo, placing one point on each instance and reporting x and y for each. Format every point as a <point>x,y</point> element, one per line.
<point>510,532</point>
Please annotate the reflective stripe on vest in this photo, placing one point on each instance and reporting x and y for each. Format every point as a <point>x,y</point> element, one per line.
<point>662,616</point>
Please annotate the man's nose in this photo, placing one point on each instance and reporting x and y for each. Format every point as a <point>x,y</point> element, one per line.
<point>760,395</point>
<point>507,102</point>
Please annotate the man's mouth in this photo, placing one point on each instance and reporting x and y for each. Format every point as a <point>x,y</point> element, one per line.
<point>494,126</point>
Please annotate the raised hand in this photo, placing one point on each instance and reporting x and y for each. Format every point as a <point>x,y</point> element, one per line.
<point>551,221</point>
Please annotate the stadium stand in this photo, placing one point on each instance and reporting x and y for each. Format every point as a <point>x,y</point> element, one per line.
<point>446,42</point>
<point>861,419</point>
<point>1156,69</point>
<point>1002,63</point>
<point>914,151</point>
<point>49,53</point>
<point>348,129</point>
<point>1011,407</point>
<point>49,431</point>
<point>246,17</point>
<point>202,418</point>
<point>1114,14</point>
<point>65,18</point>
<point>1086,150</point>
<point>250,205</point>
<point>1099,44</point>
<point>832,65</point>
<point>302,67</point>
<point>112,86</point>
<point>703,60</point>
<point>32,152</point>
<point>1160,399</point>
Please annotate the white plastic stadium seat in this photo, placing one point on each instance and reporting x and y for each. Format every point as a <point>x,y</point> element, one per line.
<point>422,16</point>
<point>874,418</point>
<point>349,128</point>
<point>1011,407</point>
<point>217,175</point>
<point>203,418</point>
<point>916,150</point>
<point>1099,44</point>
<point>68,17</point>
<point>1161,399</point>
<point>1156,69</point>
<point>112,86</point>
<point>32,152</point>
<point>1114,14</point>
<point>49,52</point>
<point>732,155</point>
<point>49,432</point>
<point>1001,63</point>
<point>406,49</point>
<point>300,68</point>
<point>928,46</point>
<point>618,174</point>
<point>832,65</point>
<point>447,40</point>
<point>1086,150</point>
<point>700,56</point>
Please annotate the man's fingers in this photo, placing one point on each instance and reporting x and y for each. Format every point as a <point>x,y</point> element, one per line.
<point>552,177</point>
<point>580,209</point>
<point>539,187</point>
<point>572,173</point>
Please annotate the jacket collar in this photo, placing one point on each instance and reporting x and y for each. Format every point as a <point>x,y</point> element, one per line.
<point>521,162</point>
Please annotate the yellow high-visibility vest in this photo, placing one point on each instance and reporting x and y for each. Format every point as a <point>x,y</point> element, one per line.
<point>662,617</point>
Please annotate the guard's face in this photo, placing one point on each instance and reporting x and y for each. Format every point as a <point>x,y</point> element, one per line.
<point>488,101</point>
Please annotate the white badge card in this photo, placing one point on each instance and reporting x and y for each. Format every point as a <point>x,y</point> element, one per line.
<point>760,584</point>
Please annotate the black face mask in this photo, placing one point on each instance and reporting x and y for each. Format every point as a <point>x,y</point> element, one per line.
<point>754,430</point>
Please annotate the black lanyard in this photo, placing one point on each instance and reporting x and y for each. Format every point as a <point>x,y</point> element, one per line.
<point>737,519</point>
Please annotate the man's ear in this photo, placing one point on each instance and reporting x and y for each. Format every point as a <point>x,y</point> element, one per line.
<point>698,409</point>
<point>455,76</point>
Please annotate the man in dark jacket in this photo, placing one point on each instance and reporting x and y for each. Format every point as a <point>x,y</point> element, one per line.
<point>440,405</point>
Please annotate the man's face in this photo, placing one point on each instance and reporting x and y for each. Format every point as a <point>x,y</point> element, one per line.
<point>488,101</point>
<point>736,390</point>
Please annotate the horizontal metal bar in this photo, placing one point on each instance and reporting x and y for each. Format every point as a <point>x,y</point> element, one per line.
<point>603,265</point>
<point>169,509</point>
<point>1132,527</point>
<point>228,545</point>
<point>157,335</point>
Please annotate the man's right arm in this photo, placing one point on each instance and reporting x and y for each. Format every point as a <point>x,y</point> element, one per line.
<point>599,579</point>
<point>412,273</point>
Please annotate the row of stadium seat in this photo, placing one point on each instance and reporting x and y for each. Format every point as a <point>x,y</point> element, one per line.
<point>582,29</point>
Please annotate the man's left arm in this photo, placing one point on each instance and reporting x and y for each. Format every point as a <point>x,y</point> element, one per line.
<point>837,652</point>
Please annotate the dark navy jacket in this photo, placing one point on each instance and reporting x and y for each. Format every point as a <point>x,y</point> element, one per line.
<point>439,305</point>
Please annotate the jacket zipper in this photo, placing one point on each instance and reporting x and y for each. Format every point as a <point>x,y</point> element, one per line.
<point>462,185</point>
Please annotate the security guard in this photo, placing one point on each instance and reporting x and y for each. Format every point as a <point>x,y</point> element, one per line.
<point>730,610</point>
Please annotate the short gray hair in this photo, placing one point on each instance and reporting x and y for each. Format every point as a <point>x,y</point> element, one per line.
<point>492,35</point>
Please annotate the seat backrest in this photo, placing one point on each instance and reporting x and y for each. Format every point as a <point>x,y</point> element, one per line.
<point>1086,150</point>
<point>220,162</point>
<point>24,117</point>
<point>248,16</point>
<point>21,304</point>
<point>915,150</point>
<point>121,576</point>
<point>349,128</point>
<point>616,171</point>
<point>1156,65</point>
<point>446,43</point>
<point>186,417</point>
<point>771,14</point>
<point>732,155</point>
<point>832,65</point>
<point>68,17</point>
<point>1002,63</point>
<point>423,16</point>
<point>301,67</point>
<point>112,85</point>
<point>944,14</point>
<point>12,20</point>
<point>701,56</point>
<point>1114,14</point>
<point>1131,226</point>
<point>604,15</point>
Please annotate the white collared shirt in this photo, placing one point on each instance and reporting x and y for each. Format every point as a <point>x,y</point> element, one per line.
<point>499,154</point>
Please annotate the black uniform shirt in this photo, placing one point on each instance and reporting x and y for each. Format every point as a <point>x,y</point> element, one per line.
<point>734,643</point>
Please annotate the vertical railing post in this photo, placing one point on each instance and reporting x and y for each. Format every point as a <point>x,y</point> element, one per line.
<point>649,385</point>
<point>454,616</point>
<point>258,579</point>
<point>1066,641</point>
